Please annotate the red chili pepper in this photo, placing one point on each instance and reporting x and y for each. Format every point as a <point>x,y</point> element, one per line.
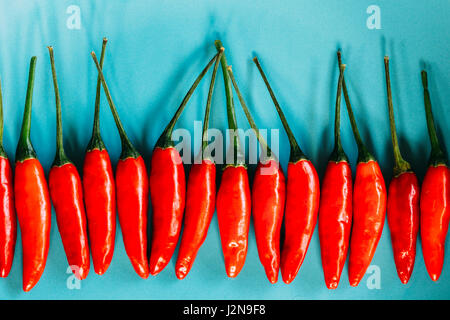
<point>233,201</point>
<point>200,198</point>
<point>369,204</point>
<point>268,199</point>
<point>99,192</point>
<point>302,200</point>
<point>32,199</point>
<point>434,198</point>
<point>403,202</point>
<point>132,193</point>
<point>335,211</point>
<point>67,196</point>
<point>167,190</point>
<point>8,224</point>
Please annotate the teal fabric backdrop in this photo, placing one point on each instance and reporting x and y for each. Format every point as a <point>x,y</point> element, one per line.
<point>155,50</point>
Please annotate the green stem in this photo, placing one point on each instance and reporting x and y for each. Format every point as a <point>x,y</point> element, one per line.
<point>25,149</point>
<point>208,103</point>
<point>165,140</point>
<point>437,156</point>
<point>96,141</point>
<point>363,154</point>
<point>338,153</point>
<point>296,153</point>
<point>248,115</point>
<point>400,165</point>
<point>60,157</point>
<point>238,158</point>
<point>2,150</point>
<point>128,150</point>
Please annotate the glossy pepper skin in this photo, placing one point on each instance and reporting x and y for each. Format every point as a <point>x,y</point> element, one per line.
<point>100,199</point>
<point>200,206</point>
<point>132,204</point>
<point>66,193</point>
<point>99,192</point>
<point>131,191</point>
<point>435,217</point>
<point>32,199</point>
<point>300,217</point>
<point>403,220</point>
<point>335,220</point>
<point>434,198</point>
<point>302,199</point>
<point>168,190</point>
<point>200,197</point>
<point>402,202</point>
<point>168,194</point>
<point>233,213</point>
<point>268,199</point>
<point>369,213</point>
<point>8,224</point>
<point>233,202</point>
<point>369,203</point>
<point>67,196</point>
<point>335,211</point>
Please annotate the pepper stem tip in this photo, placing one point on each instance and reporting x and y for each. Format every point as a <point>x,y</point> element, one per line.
<point>424,79</point>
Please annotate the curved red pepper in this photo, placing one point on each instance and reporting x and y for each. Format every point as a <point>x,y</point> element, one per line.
<point>131,191</point>
<point>403,220</point>
<point>268,199</point>
<point>233,200</point>
<point>434,198</point>
<point>200,197</point>
<point>168,189</point>
<point>335,220</point>
<point>402,202</point>
<point>369,203</point>
<point>302,199</point>
<point>32,199</point>
<point>67,197</point>
<point>300,217</point>
<point>132,204</point>
<point>335,210</point>
<point>200,206</point>
<point>33,211</point>
<point>369,212</point>
<point>233,213</point>
<point>435,217</point>
<point>99,191</point>
<point>8,224</point>
<point>100,199</point>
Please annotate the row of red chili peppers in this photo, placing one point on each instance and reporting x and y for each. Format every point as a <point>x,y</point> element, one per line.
<point>351,216</point>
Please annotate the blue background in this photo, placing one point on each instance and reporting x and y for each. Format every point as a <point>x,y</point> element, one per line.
<point>156,49</point>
